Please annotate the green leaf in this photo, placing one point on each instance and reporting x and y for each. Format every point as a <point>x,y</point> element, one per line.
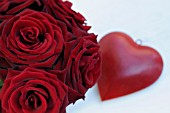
<point>1,83</point>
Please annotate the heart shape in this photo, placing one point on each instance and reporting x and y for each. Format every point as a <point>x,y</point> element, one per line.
<point>127,67</point>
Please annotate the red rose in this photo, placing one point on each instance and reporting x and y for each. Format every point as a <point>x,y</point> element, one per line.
<point>57,8</point>
<point>33,91</point>
<point>31,38</point>
<point>83,64</point>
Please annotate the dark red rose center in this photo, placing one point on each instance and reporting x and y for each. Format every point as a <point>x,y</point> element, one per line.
<point>30,35</point>
<point>33,101</point>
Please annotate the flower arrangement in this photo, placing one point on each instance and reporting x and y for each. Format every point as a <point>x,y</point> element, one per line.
<point>48,59</point>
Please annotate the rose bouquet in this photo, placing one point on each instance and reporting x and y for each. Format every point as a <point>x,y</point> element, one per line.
<point>48,59</point>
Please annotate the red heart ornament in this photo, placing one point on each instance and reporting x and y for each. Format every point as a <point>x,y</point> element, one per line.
<point>126,66</point>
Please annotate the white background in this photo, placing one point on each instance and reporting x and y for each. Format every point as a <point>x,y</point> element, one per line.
<point>147,20</point>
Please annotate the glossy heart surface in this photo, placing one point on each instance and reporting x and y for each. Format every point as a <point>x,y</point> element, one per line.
<point>127,67</point>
